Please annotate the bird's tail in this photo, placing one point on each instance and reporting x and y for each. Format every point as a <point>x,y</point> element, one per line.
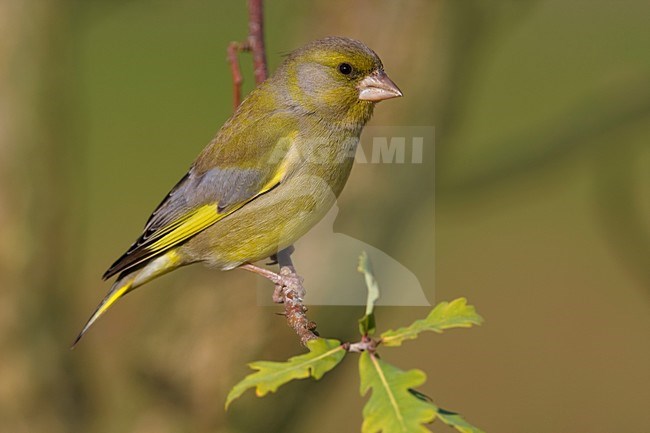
<point>127,282</point>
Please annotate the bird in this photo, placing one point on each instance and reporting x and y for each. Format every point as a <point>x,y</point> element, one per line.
<point>272,171</point>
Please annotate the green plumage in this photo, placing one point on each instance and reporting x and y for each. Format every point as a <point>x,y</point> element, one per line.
<point>272,171</point>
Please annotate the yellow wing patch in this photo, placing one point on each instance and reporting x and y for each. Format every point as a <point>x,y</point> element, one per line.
<point>187,226</point>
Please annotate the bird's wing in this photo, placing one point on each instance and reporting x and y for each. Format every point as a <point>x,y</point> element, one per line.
<point>229,173</point>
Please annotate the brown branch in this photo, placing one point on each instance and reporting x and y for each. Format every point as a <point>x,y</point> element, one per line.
<point>233,50</point>
<point>254,44</point>
<point>291,294</point>
<point>289,289</point>
<point>256,39</point>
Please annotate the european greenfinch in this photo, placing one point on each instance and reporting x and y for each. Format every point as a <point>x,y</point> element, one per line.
<point>272,172</point>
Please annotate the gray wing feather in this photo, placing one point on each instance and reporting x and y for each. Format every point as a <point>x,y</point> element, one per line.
<point>221,186</point>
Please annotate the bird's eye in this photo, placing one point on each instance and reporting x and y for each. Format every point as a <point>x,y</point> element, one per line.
<point>345,68</point>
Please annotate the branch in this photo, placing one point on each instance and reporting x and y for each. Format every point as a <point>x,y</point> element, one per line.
<point>291,294</point>
<point>289,289</point>
<point>256,39</point>
<point>255,44</point>
<point>233,50</point>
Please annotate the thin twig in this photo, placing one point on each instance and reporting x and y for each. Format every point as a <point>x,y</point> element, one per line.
<point>233,50</point>
<point>255,44</point>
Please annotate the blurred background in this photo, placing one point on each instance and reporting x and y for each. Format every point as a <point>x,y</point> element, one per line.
<point>540,215</point>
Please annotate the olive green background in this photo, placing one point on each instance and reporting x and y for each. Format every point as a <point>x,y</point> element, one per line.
<point>540,215</point>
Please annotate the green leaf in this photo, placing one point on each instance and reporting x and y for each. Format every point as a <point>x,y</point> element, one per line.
<point>392,408</point>
<point>323,356</point>
<point>367,322</point>
<point>456,421</point>
<point>454,314</point>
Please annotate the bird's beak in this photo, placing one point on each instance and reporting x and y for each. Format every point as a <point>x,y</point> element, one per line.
<point>377,87</point>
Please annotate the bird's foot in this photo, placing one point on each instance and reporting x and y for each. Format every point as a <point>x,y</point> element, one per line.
<point>288,285</point>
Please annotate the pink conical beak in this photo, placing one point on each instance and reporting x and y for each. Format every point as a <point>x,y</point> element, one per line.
<point>377,87</point>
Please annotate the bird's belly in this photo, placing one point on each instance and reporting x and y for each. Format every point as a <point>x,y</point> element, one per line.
<point>267,224</point>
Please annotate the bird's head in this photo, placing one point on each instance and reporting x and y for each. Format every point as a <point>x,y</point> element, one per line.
<point>338,79</point>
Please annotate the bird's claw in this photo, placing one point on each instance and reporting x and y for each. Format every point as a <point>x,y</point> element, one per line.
<point>278,294</point>
<point>288,284</point>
